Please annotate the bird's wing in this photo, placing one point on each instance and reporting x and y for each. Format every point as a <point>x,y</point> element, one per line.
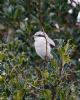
<point>51,42</point>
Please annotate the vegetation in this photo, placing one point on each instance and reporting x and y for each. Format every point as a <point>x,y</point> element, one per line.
<point>24,75</point>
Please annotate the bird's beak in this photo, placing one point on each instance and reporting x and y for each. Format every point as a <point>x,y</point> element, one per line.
<point>32,36</point>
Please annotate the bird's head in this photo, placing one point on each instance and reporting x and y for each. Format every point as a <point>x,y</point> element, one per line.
<point>39,34</point>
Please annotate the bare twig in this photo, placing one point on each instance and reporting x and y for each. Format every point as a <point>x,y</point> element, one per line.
<point>72,1</point>
<point>41,25</point>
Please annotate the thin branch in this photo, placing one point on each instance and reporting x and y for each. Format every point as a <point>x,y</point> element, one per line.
<point>41,25</point>
<point>72,1</point>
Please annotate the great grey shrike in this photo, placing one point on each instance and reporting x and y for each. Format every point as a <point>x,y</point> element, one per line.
<point>43,45</point>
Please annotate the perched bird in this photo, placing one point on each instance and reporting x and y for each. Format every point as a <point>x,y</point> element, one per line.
<point>43,45</point>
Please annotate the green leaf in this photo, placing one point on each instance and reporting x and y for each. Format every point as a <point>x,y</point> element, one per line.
<point>46,74</point>
<point>18,95</point>
<point>46,94</point>
<point>2,56</point>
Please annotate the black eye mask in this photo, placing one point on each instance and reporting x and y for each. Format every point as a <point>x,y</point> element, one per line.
<point>40,35</point>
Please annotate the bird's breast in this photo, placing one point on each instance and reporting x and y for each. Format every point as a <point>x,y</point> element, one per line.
<point>40,47</point>
<point>40,42</point>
